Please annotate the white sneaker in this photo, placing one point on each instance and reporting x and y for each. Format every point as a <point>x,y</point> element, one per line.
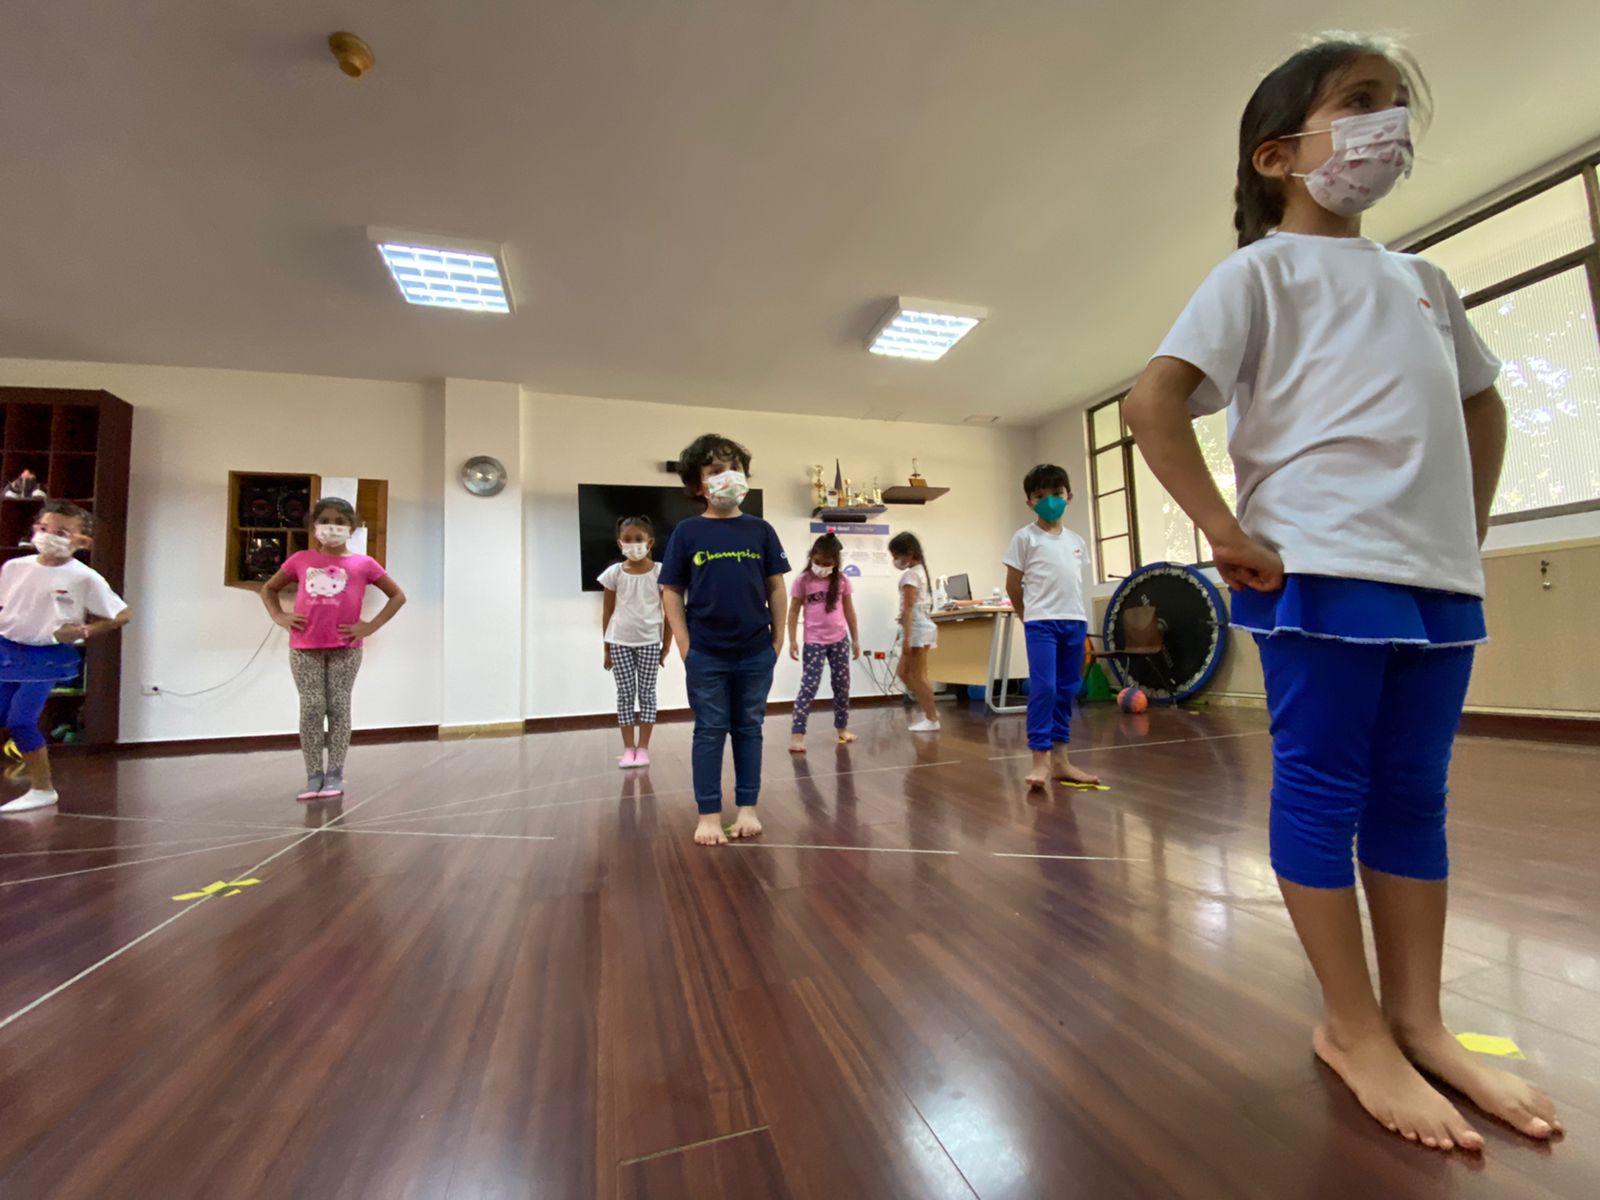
<point>925,726</point>
<point>29,801</point>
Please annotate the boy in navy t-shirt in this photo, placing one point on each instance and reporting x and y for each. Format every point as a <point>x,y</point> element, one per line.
<point>722,581</point>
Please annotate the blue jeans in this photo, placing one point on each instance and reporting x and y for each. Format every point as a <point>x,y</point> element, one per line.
<point>1055,670</point>
<point>1361,740</point>
<point>728,696</point>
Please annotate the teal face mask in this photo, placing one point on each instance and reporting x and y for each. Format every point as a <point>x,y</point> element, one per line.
<point>1050,508</point>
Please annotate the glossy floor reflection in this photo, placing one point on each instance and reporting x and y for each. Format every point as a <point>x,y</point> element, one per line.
<point>503,970</point>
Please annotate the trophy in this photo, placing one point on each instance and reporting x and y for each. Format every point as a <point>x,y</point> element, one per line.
<point>819,490</point>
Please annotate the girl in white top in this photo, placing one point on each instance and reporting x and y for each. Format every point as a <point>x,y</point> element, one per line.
<point>1367,437</point>
<point>636,638</point>
<point>918,633</point>
<point>49,604</point>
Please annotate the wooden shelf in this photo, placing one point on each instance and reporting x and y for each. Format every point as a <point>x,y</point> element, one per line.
<point>847,516</point>
<point>912,495</point>
<point>281,493</point>
<point>76,442</point>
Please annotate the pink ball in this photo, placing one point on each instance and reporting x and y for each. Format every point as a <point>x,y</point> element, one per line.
<point>1133,700</point>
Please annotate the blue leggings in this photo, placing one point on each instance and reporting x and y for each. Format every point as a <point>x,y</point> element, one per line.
<point>23,705</point>
<point>1055,670</point>
<point>1361,739</point>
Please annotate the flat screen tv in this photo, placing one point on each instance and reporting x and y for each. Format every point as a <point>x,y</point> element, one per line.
<point>602,505</point>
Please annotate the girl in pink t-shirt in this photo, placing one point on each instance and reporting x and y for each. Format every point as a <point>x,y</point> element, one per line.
<point>325,636</point>
<point>823,591</point>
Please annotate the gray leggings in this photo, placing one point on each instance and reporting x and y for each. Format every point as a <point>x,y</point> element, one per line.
<point>325,679</point>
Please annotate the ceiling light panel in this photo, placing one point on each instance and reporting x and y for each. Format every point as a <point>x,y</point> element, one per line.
<point>924,330</point>
<point>444,272</point>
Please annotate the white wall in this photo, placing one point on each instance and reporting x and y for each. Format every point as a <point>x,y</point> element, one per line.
<point>570,440</point>
<point>190,428</point>
<point>481,650</point>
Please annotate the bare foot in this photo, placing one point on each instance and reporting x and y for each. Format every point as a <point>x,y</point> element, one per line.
<point>797,744</point>
<point>1067,773</point>
<point>1390,1089</point>
<point>709,831</point>
<point>846,737</point>
<point>746,825</point>
<point>1501,1094</point>
<point>1037,779</point>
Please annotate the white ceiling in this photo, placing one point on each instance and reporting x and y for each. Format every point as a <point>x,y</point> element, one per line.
<point>704,201</point>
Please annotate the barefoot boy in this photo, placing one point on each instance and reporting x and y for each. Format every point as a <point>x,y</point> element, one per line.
<point>722,582</point>
<point>1044,578</point>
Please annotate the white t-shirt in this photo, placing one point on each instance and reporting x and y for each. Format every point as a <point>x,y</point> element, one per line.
<point>923,631</point>
<point>636,621</point>
<point>36,600</point>
<point>1052,573</point>
<point>1346,365</point>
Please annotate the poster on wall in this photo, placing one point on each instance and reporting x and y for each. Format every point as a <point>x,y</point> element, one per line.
<point>866,548</point>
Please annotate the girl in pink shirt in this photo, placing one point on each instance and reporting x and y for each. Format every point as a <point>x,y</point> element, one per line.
<point>823,591</point>
<point>325,636</point>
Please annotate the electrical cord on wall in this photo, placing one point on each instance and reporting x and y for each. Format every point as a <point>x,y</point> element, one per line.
<point>232,678</point>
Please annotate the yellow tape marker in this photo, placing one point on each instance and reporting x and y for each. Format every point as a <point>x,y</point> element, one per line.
<point>211,889</point>
<point>1085,787</point>
<point>1484,1043</point>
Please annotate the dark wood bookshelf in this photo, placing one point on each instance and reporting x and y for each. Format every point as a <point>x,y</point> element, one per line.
<point>77,443</point>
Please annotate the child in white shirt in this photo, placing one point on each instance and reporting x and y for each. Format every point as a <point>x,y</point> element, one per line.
<point>1367,438</point>
<point>48,604</point>
<point>1044,578</point>
<point>636,637</point>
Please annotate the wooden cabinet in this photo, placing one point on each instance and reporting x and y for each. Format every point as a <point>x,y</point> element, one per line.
<point>267,513</point>
<point>1544,641</point>
<point>76,444</point>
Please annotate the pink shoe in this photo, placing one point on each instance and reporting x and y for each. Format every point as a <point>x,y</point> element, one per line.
<point>629,759</point>
<point>641,758</point>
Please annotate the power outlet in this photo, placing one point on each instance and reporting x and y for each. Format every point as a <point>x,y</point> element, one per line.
<point>150,689</point>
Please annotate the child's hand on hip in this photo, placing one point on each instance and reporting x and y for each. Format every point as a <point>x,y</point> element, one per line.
<point>72,633</point>
<point>356,632</point>
<point>293,622</point>
<point>1247,563</point>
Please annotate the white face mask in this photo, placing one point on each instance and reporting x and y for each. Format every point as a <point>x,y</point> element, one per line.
<point>1371,152</point>
<point>52,545</point>
<point>821,572</point>
<point>728,489</point>
<point>634,551</point>
<point>333,535</point>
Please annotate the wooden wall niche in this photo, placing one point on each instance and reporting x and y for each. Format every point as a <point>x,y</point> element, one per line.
<point>267,513</point>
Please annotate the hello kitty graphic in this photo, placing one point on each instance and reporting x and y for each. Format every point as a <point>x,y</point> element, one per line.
<point>324,583</point>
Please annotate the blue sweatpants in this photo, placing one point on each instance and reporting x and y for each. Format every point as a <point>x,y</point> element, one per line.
<point>1055,670</point>
<point>1361,740</point>
<point>22,705</point>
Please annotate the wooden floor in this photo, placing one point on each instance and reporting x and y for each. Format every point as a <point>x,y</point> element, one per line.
<point>505,972</point>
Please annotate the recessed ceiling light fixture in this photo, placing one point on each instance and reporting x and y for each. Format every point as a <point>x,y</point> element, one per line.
<point>923,329</point>
<point>444,272</point>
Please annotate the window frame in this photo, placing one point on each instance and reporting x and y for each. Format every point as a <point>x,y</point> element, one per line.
<point>1588,170</point>
<point>1130,491</point>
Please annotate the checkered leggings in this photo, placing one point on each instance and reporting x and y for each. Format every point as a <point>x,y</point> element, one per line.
<point>636,668</point>
<point>837,657</point>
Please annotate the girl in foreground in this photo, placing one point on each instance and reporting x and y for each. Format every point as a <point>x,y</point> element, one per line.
<point>1367,439</point>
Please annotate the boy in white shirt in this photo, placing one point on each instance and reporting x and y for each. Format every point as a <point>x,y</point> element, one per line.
<point>1044,578</point>
<point>46,603</point>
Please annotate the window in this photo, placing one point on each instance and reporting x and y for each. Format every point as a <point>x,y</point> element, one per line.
<point>1528,269</point>
<point>1135,521</point>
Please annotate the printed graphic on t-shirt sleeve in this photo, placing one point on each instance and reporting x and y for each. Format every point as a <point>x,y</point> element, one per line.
<point>1214,333</point>
<point>774,561</point>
